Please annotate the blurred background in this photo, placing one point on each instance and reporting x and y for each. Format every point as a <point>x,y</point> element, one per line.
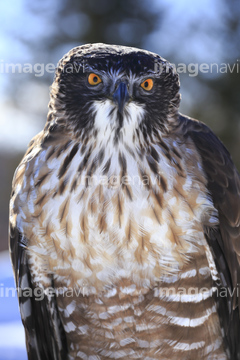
<point>36,33</point>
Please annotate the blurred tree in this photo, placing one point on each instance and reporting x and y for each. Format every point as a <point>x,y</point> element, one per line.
<point>223,111</point>
<point>76,22</point>
<point>222,114</point>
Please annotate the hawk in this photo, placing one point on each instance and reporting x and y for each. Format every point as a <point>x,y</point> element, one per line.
<point>124,219</point>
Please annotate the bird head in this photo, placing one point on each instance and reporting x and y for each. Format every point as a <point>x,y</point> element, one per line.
<point>114,91</point>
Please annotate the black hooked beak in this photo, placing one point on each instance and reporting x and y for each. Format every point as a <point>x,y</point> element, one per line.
<point>121,96</point>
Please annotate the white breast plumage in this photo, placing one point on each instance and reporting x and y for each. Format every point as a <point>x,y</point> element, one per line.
<point>120,219</point>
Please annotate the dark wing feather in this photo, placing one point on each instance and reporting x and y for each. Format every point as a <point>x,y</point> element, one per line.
<point>45,338</point>
<point>224,187</point>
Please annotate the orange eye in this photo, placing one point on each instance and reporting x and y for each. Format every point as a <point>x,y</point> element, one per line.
<point>94,79</point>
<point>147,84</point>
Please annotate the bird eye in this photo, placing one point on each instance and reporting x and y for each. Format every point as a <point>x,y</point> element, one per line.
<point>147,84</point>
<point>94,79</point>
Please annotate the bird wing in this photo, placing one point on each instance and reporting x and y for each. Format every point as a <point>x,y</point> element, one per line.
<point>224,188</point>
<point>45,338</point>
<point>44,333</point>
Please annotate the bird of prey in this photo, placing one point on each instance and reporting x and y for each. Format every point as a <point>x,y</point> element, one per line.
<point>124,219</point>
